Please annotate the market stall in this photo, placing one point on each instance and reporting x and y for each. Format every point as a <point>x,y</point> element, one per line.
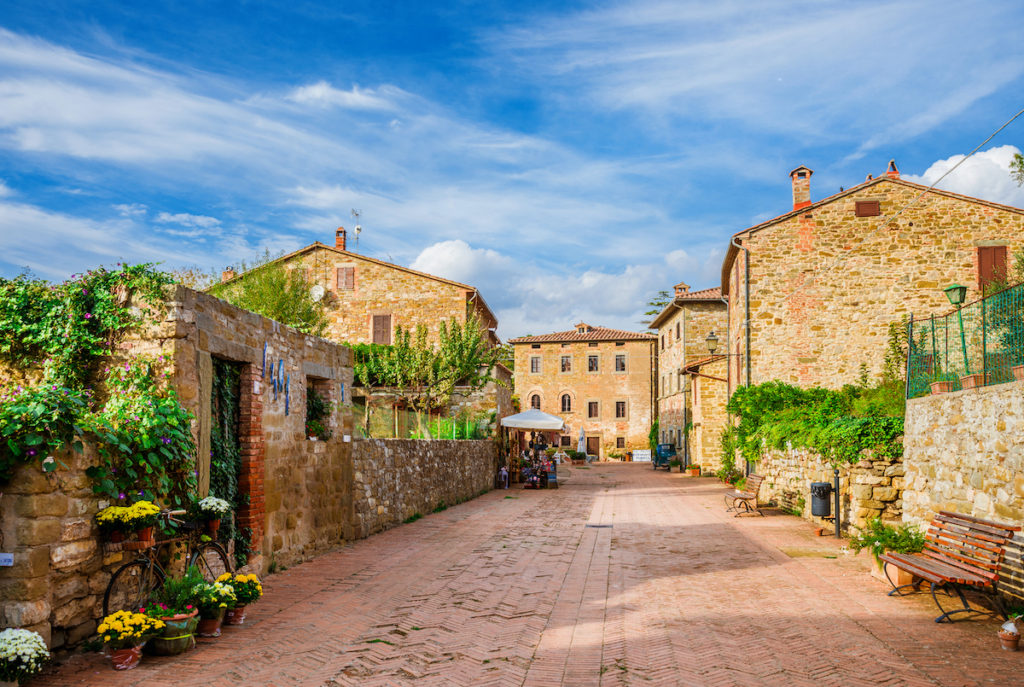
<point>526,435</point>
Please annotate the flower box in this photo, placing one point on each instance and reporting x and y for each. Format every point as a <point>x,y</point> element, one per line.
<point>1018,372</point>
<point>974,381</point>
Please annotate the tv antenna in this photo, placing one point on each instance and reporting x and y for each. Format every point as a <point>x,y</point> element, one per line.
<point>358,230</point>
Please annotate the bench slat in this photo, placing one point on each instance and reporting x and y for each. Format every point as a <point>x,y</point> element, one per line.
<point>998,526</point>
<point>984,545</point>
<point>937,570</point>
<point>982,573</point>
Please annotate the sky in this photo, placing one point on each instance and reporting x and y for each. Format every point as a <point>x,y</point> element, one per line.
<point>568,159</point>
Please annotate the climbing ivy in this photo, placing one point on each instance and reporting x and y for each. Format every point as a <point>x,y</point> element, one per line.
<point>225,452</point>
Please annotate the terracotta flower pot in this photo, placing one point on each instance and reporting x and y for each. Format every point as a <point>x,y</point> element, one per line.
<point>1009,640</point>
<point>126,659</point>
<point>145,534</point>
<point>212,526</point>
<point>116,536</point>
<point>1018,372</point>
<point>942,387</point>
<point>235,616</point>
<point>210,627</point>
<point>974,381</point>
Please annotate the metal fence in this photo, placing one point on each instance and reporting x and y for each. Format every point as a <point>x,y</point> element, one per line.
<point>977,345</point>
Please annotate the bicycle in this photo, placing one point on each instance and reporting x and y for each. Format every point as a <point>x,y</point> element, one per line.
<point>134,583</point>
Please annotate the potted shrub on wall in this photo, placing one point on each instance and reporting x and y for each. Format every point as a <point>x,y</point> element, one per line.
<point>22,654</point>
<point>210,510</point>
<point>879,538</point>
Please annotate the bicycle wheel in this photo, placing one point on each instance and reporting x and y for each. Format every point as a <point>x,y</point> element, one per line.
<point>131,586</point>
<point>212,560</point>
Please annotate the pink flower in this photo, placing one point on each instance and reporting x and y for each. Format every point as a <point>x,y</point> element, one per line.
<point>88,316</point>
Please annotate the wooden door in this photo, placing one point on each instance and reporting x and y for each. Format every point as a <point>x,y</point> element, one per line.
<point>594,446</point>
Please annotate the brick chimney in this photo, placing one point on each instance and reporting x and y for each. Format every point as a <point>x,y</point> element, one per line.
<point>682,288</point>
<point>801,177</point>
<point>339,238</point>
<point>227,275</point>
<point>892,172</point>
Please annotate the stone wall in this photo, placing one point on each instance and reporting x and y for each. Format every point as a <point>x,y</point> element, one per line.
<point>395,479</point>
<point>825,284</point>
<point>868,489</point>
<point>709,417</point>
<point>964,452</point>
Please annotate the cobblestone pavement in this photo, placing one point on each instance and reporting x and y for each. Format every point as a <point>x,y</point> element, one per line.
<point>515,589</point>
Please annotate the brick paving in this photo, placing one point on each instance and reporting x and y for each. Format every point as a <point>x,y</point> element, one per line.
<point>518,591</point>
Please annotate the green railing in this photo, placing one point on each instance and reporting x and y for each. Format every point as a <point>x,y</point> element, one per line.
<point>977,345</point>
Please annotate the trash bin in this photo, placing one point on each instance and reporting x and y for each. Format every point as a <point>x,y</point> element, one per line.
<point>821,504</point>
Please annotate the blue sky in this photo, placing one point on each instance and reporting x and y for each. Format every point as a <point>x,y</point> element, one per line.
<point>569,159</point>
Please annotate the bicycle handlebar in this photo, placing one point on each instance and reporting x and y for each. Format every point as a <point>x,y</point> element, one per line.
<point>175,512</point>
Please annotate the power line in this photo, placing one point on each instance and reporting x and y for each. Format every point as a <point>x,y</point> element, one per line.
<point>839,260</point>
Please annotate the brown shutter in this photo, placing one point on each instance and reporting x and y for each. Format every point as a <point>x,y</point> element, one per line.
<point>382,329</point>
<point>346,278</point>
<point>306,274</point>
<point>867,208</point>
<point>991,265</point>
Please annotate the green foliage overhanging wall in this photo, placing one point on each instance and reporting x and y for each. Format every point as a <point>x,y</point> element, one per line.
<point>838,425</point>
<point>64,334</point>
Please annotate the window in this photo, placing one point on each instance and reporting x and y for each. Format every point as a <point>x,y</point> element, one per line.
<point>534,364</point>
<point>620,362</point>
<point>991,265</point>
<point>620,442</point>
<point>566,403</point>
<point>565,440</point>
<point>677,331</point>
<point>592,363</point>
<point>534,345</point>
<point>867,208</point>
<point>593,409</point>
<point>620,343</point>
<point>620,409</point>
<point>346,278</point>
<point>535,402</point>
<point>663,342</point>
<point>382,329</point>
<point>566,363</point>
<point>592,344</point>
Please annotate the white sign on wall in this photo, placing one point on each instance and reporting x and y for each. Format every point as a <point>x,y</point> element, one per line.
<point>642,456</point>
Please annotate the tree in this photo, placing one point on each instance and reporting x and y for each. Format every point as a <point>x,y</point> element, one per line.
<point>194,277</point>
<point>272,290</point>
<point>657,304</point>
<point>1017,168</point>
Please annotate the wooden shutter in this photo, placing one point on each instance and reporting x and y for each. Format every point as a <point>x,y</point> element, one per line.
<point>991,265</point>
<point>382,329</point>
<point>346,278</point>
<point>867,208</point>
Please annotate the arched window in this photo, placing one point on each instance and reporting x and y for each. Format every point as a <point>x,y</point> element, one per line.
<point>566,403</point>
<point>535,401</point>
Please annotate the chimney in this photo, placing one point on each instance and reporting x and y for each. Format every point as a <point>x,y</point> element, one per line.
<point>227,275</point>
<point>339,238</point>
<point>682,288</point>
<point>801,177</point>
<point>892,172</point>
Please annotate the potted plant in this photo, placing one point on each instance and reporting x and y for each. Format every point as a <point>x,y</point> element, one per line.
<point>174,604</point>
<point>213,600</point>
<point>942,382</point>
<point>879,538</point>
<point>124,633</point>
<point>247,590</point>
<point>22,654</point>
<point>1009,633</point>
<point>693,470</point>
<point>210,510</point>
<point>111,523</point>
<point>973,381</point>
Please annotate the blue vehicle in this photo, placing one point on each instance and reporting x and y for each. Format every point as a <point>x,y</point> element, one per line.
<point>663,456</point>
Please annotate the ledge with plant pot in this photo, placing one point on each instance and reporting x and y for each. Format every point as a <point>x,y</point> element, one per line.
<point>1018,373</point>
<point>975,381</point>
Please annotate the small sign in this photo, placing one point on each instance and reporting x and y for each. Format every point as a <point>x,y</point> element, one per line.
<point>6,560</point>
<point>346,438</point>
<point>641,456</point>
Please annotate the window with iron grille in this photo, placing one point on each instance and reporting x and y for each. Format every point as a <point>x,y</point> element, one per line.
<point>620,442</point>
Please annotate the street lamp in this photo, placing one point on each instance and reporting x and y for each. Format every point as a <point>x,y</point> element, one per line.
<point>712,342</point>
<point>956,295</point>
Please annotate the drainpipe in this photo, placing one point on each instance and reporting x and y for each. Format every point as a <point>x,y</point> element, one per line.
<point>746,301</point>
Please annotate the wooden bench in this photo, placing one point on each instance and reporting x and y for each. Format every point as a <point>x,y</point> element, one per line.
<point>745,501</point>
<point>961,553</point>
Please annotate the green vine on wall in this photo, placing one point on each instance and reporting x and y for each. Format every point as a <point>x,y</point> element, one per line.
<point>62,334</point>
<point>225,451</point>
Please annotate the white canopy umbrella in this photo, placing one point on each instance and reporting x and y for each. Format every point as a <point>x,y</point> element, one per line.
<point>533,419</point>
<point>581,445</point>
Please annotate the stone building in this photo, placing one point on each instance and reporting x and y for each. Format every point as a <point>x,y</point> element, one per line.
<point>683,326</point>
<point>709,392</point>
<point>367,298</point>
<point>598,379</point>
<point>812,292</point>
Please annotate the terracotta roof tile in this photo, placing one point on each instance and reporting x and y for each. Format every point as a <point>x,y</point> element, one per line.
<point>594,334</point>
<point>714,293</point>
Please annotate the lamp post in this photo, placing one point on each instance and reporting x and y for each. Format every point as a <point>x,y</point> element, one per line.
<point>956,295</point>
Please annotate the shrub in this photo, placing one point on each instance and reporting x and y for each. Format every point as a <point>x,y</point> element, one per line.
<point>879,538</point>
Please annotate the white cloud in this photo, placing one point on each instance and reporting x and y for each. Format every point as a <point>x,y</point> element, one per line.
<point>322,94</point>
<point>131,209</point>
<point>986,175</point>
<point>5,190</point>
<point>187,220</point>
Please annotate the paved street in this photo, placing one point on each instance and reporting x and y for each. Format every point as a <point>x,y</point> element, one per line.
<point>515,589</point>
